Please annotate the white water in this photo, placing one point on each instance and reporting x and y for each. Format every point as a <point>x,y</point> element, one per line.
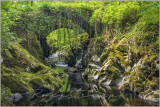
<point>78,63</point>
<point>55,57</point>
<point>61,64</point>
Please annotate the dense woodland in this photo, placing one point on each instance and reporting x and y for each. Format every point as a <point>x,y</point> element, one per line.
<point>105,43</point>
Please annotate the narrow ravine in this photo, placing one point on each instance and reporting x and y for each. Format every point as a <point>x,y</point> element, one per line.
<point>77,91</point>
<point>80,53</point>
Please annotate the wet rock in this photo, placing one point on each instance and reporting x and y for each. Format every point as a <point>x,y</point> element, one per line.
<point>15,97</point>
<point>91,65</point>
<point>61,64</point>
<point>71,69</point>
<point>150,95</point>
<point>62,75</point>
<point>79,64</point>
<point>96,59</point>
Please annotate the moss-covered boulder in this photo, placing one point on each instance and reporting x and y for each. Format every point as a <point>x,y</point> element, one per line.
<point>150,95</point>
<point>5,93</point>
<point>18,57</point>
<point>22,82</point>
<point>95,59</point>
<point>23,73</point>
<point>15,85</point>
<point>143,78</point>
<point>46,81</point>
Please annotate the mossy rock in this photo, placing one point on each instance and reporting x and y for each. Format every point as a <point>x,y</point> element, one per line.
<point>5,70</point>
<point>125,87</point>
<point>143,76</point>
<point>32,45</point>
<point>5,93</point>
<point>95,59</point>
<point>6,102</point>
<point>37,68</point>
<point>15,85</point>
<point>51,79</point>
<point>104,56</point>
<point>51,63</point>
<point>46,81</point>
<point>150,95</point>
<point>20,57</point>
<point>37,83</point>
<point>22,72</point>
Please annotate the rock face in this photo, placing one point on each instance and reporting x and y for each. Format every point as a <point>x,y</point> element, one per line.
<point>143,78</point>
<point>23,73</point>
<point>107,69</point>
<point>32,45</point>
<point>122,65</point>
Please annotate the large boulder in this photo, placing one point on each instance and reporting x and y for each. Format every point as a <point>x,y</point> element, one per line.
<point>143,78</point>
<point>22,73</point>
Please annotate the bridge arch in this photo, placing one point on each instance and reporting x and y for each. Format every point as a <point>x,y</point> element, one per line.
<point>67,17</point>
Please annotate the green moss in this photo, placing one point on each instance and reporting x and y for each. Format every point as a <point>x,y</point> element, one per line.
<point>37,83</point>
<point>150,94</point>
<point>5,102</point>
<point>66,86</point>
<point>20,58</point>
<point>155,94</point>
<point>37,68</point>
<point>45,80</point>
<point>15,84</point>
<point>84,37</point>
<point>142,78</point>
<point>103,57</point>
<point>5,70</point>
<point>22,72</point>
<point>125,87</point>
<point>5,91</point>
<point>32,45</point>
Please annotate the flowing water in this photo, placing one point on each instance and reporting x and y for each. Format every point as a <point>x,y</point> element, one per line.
<point>77,91</point>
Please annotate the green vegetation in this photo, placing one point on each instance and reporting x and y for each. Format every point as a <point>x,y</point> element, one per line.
<point>114,42</point>
<point>66,87</point>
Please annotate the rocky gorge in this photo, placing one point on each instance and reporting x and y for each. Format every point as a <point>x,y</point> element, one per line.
<point>80,54</point>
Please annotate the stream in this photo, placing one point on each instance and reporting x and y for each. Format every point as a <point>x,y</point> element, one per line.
<point>77,91</point>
